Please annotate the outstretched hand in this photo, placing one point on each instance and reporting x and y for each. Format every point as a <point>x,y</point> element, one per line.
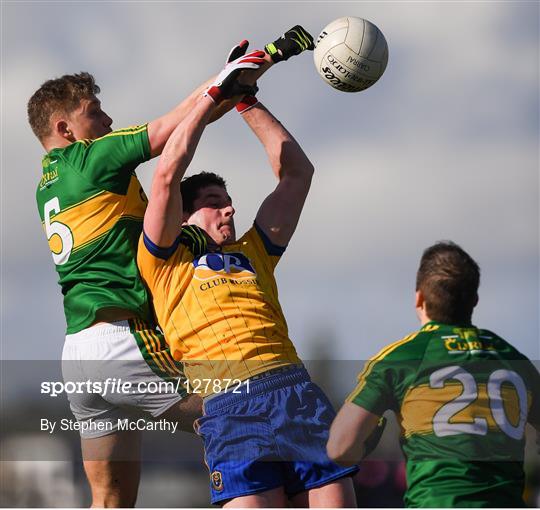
<point>293,42</point>
<point>226,83</point>
<point>237,51</point>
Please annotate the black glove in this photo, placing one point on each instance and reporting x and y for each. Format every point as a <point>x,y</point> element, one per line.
<point>292,42</point>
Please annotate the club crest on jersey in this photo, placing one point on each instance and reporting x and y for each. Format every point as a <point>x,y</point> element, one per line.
<point>217,481</point>
<point>234,265</point>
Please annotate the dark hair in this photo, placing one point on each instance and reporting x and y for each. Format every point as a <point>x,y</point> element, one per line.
<point>62,95</point>
<point>448,278</point>
<point>190,187</point>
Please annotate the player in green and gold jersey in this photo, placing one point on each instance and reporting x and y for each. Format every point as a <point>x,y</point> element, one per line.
<point>462,396</point>
<point>92,207</point>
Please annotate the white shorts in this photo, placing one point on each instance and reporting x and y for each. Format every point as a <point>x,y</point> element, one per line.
<point>118,371</point>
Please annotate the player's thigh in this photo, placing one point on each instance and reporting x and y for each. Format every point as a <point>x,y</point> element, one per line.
<point>128,364</point>
<point>274,498</point>
<point>337,494</point>
<point>112,466</point>
<point>140,356</point>
<point>184,412</point>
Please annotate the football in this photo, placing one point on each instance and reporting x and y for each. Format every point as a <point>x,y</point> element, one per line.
<point>351,54</point>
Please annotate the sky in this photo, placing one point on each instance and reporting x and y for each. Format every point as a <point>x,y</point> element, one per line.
<point>444,146</point>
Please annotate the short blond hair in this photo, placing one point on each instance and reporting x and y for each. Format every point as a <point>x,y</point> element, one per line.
<point>60,95</point>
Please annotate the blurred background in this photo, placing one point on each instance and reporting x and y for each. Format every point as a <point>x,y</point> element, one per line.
<point>444,146</point>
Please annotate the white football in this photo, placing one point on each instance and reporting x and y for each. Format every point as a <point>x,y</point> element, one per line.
<point>351,54</point>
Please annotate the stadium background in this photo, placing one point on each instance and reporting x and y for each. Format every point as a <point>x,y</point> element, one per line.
<point>445,146</point>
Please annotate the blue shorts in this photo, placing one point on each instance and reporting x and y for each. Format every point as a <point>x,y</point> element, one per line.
<point>271,434</point>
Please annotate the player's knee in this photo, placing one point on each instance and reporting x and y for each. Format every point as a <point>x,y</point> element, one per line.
<point>114,501</point>
<point>113,484</point>
<point>339,494</point>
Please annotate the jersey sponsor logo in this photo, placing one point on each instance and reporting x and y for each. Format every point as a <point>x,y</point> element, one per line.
<point>467,340</point>
<point>235,266</point>
<point>217,481</point>
<point>48,178</point>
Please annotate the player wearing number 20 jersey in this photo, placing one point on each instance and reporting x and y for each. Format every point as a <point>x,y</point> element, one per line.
<point>463,397</point>
<point>92,206</point>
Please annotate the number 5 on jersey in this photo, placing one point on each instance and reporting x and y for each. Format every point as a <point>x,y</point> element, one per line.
<point>58,234</point>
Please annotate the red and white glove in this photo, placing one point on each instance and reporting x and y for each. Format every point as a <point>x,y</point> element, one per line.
<point>237,51</point>
<point>226,85</point>
<point>249,100</point>
<point>246,103</point>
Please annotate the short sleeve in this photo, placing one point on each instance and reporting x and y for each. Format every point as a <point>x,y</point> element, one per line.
<point>145,261</point>
<point>268,250</point>
<point>374,390</point>
<point>159,251</point>
<point>109,161</point>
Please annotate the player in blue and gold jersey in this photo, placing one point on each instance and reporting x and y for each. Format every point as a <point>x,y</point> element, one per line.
<point>462,396</point>
<point>265,424</point>
<point>91,207</point>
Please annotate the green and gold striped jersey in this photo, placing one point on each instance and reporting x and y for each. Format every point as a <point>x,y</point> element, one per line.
<point>92,207</point>
<point>462,397</point>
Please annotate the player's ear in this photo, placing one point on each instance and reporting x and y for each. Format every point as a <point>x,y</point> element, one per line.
<point>419,299</point>
<point>420,304</point>
<point>61,128</point>
<point>475,300</point>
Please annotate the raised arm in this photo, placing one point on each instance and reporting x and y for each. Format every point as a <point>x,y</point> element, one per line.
<point>291,43</point>
<point>280,211</point>
<point>163,216</point>
<point>160,129</point>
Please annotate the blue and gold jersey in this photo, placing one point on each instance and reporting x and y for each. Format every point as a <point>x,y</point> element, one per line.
<point>219,310</point>
<point>462,397</point>
<point>92,207</point>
